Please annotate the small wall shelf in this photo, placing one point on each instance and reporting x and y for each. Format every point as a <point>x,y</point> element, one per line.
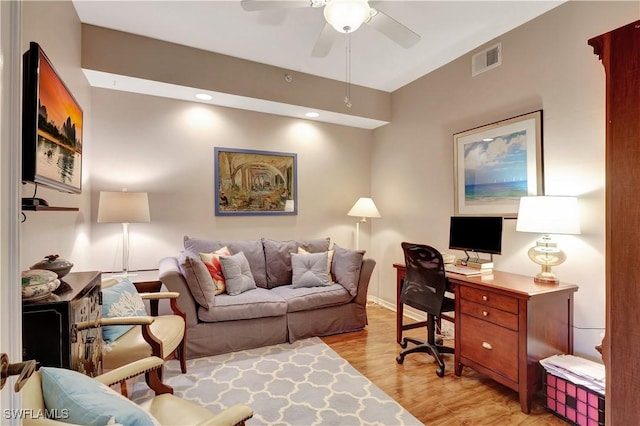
<point>48,208</point>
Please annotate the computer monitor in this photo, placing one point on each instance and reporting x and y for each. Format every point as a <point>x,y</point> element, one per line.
<point>477,234</point>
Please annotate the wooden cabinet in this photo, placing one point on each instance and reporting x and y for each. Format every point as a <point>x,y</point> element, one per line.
<point>63,330</point>
<point>619,51</point>
<point>507,323</point>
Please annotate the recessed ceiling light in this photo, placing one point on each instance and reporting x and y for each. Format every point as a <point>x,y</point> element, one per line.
<point>487,139</point>
<point>312,114</point>
<point>204,97</point>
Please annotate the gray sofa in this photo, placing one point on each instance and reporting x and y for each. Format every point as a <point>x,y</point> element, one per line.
<point>274,311</point>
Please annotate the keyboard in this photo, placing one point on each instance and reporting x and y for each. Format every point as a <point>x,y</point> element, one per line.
<point>449,267</point>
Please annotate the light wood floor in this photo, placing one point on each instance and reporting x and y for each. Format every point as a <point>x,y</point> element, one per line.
<point>471,399</point>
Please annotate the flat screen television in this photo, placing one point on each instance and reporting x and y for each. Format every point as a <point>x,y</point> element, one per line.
<point>51,126</point>
<point>478,234</point>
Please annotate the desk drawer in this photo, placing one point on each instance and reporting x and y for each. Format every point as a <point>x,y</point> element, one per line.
<point>487,313</point>
<point>489,298</point>
<point>490,345</point>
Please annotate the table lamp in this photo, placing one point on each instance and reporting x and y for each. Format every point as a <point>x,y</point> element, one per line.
<point>125,208</point>
<point>548,215</point>
<point>363,208</point>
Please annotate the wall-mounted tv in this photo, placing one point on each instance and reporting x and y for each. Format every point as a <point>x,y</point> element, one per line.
<point>51,126</point>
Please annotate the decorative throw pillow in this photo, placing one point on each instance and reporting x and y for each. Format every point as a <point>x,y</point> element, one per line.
<point>346,267</point>
<point>85,401</point>
<point>329,260</point>
<point>315,246</point>
<point>120,300</point>
<point>277,255</point>
<point>309,270</point>
<point>252,249</point>
<point>212,262</point>
<point>237,274</point>
<point>198,279</point>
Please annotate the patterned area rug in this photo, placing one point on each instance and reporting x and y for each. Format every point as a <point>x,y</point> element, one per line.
<point>304,383</point>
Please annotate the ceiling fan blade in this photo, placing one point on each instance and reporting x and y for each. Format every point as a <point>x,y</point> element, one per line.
<point>257,5</point>
<point>394,29</point>
<point>325,41</point>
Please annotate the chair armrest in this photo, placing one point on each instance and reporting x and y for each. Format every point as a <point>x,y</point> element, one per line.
<point>234,415</point>
<point>160,295</point>
<point>173,300</point>
<point>143,320</point>
<point>130,370</point>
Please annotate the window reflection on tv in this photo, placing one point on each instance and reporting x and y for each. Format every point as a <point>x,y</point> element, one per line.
<point>52,127</point>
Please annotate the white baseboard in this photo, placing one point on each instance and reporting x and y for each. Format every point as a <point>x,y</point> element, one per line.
<point>448,328</point>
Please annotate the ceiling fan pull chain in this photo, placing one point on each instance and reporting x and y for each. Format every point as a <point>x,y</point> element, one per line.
<point>347,98</point>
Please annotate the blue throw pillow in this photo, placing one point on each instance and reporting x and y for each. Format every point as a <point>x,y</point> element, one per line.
<point>120,300</point>
<point>84,401</point>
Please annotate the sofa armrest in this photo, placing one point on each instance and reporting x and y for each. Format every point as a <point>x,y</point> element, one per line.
<point>363,282</point>
<point>172,278</point>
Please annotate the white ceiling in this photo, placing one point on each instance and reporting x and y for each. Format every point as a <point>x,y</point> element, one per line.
<point>285,37</point>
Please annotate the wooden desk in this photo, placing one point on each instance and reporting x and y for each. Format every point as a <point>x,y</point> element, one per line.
<point>505,324</point>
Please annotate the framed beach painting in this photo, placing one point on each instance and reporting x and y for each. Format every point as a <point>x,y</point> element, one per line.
<point>249,182</point>
<point>496,164</point>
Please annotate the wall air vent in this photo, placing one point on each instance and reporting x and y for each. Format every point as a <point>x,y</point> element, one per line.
<point>487,59</point>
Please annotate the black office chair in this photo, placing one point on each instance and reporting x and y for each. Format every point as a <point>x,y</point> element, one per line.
<point>424,289</point>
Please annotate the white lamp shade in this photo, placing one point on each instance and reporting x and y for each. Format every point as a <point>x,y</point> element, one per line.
<point>346,16</point>
<point>364,207</point>
<point>548,215</point>
<point>123,207</point>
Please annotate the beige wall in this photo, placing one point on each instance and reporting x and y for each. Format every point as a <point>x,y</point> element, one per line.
<point>547,65</point>
<point>165,147</point>
<point>56,27</point>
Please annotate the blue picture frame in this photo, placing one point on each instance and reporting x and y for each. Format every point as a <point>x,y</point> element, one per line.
<point>254,183</point>
<point>497,164</point>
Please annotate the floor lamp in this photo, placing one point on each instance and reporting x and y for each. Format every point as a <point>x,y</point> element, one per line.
<point>125,208</point>
<point>363,208</point>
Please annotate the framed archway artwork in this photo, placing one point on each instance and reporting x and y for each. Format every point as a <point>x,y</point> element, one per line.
<point>250,182</point>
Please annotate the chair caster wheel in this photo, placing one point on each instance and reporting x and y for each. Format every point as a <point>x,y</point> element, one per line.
<point>400,359</point>
<point>404,344</point>
<point>440,372</point>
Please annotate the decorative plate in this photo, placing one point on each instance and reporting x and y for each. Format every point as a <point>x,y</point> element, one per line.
<point>38,276</point>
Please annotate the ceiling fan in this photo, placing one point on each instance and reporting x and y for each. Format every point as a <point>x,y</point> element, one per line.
<point>342,16</point>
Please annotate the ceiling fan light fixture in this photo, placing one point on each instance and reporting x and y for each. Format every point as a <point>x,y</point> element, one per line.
<point>346,16</point>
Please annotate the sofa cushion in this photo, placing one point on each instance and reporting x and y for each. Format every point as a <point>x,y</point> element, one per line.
<point>329,260</point>
<point>237,274</point>
<point>258,303</point>
<point>277,256</point>
<point>315,246</point>
<point>308,298</point>
<point>86,401</point>
<point>120,300</point>
<point>309,270</point>
<point>252,250</point>
<point>345,267</point>
<point>212,263</point>
<point>198,279</point>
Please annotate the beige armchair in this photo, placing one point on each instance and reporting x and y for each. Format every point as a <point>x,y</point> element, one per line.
<point>166,408</point>
<point>163,336</point>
